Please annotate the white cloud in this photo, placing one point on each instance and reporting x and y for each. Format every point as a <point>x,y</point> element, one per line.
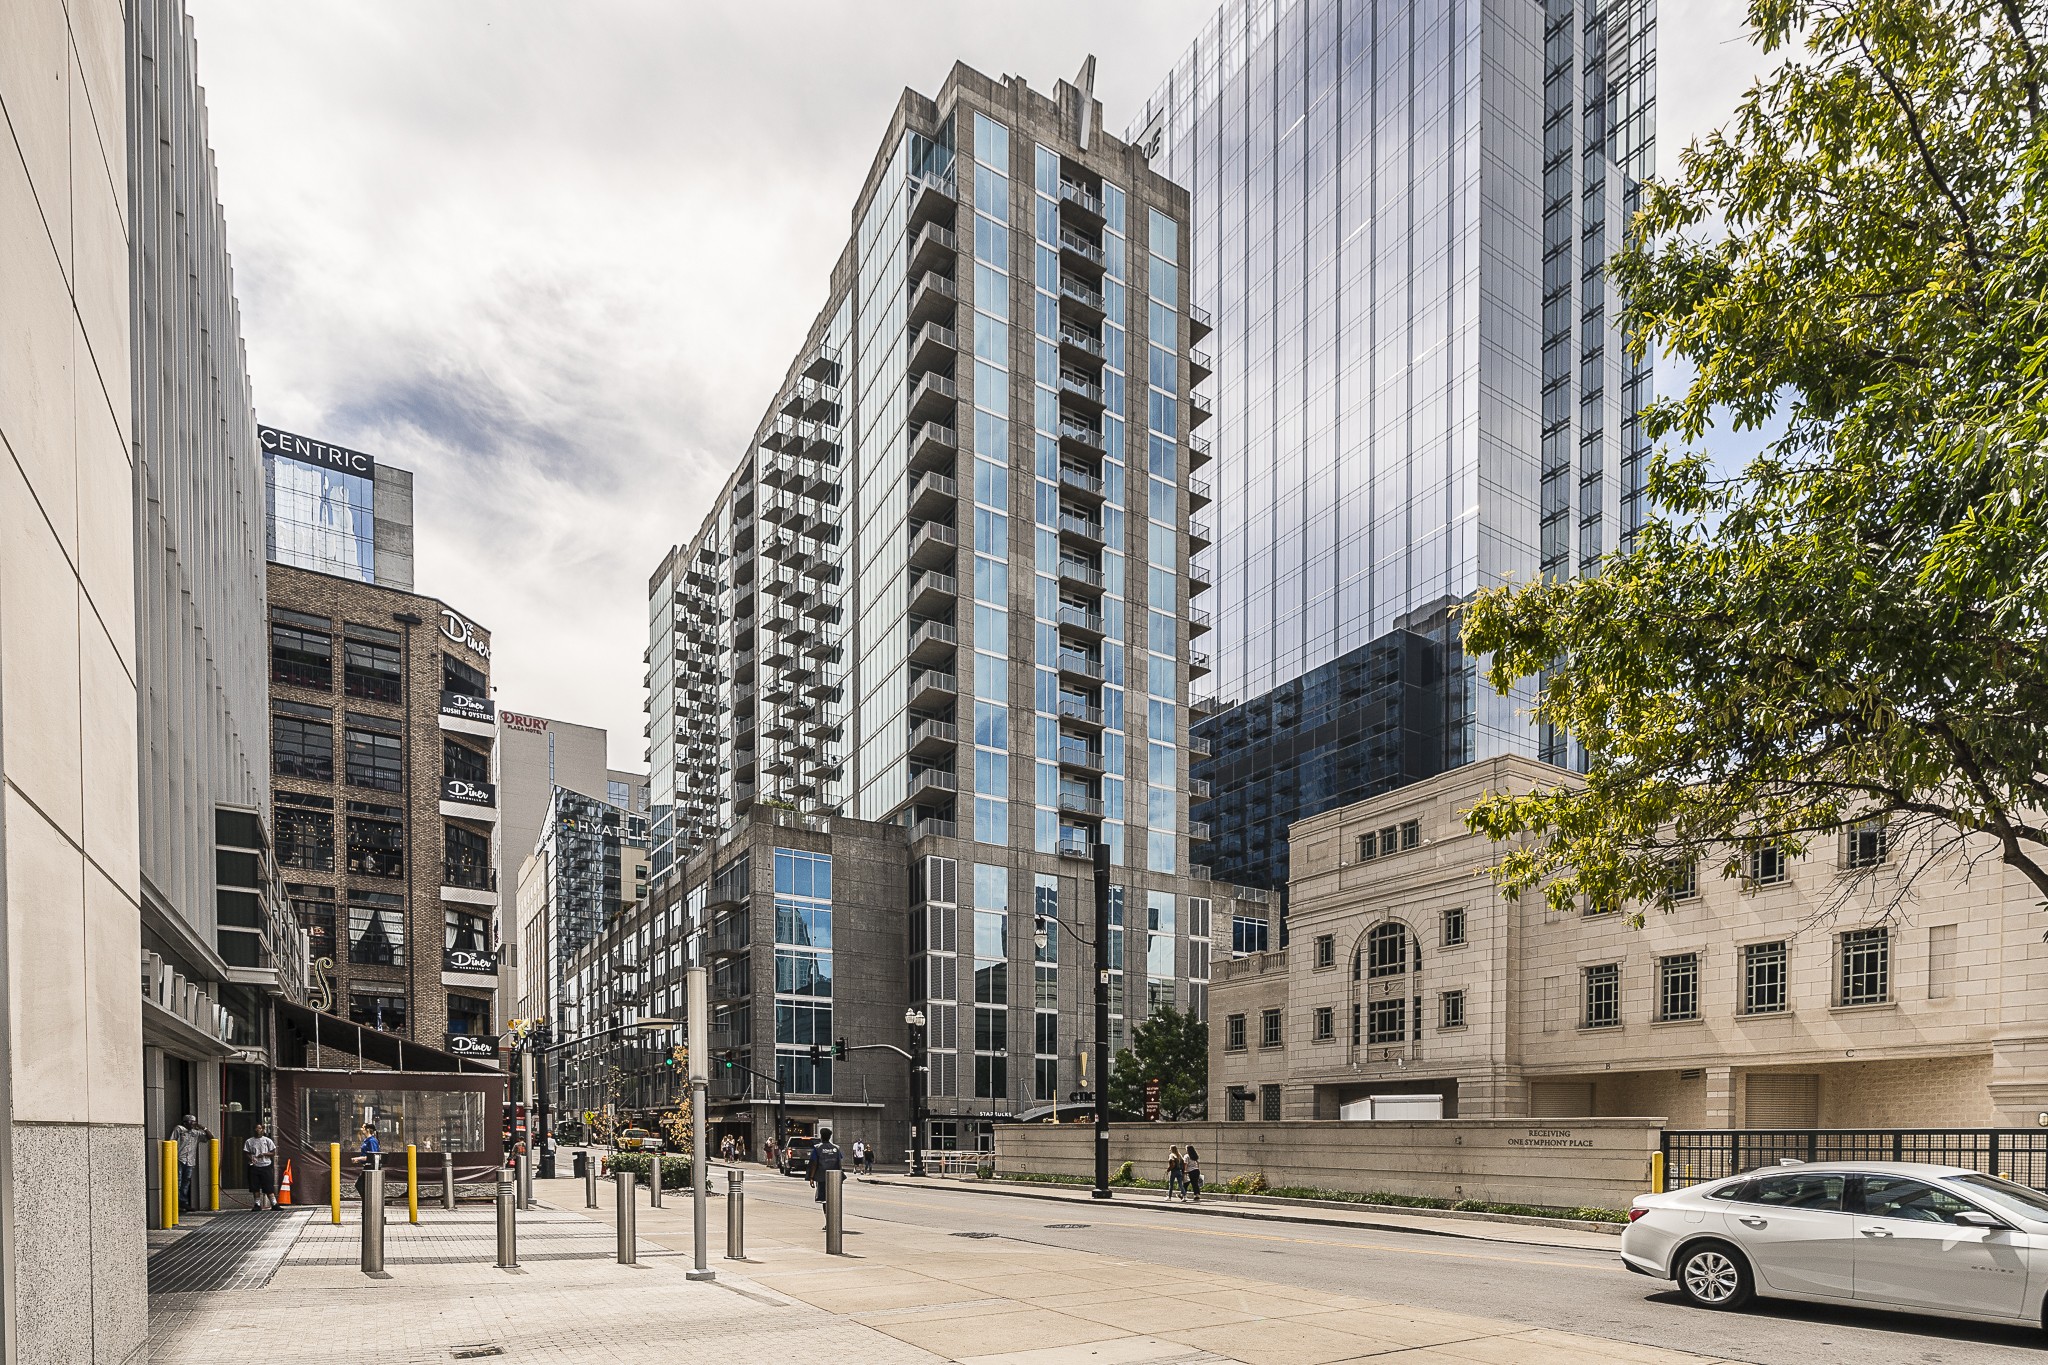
<point>554,258</point>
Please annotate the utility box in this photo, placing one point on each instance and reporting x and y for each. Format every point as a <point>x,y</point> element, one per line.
<point>1393,1107</point>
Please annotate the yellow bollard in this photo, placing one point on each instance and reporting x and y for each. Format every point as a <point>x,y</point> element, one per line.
<point>213,1157</point>
<point>412,1183</point>
<point>334,1181</point>
<point>170,1179</point>
<point>1656,1173</point>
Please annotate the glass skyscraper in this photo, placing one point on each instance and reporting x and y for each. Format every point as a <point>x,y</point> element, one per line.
<point>1402,214</point>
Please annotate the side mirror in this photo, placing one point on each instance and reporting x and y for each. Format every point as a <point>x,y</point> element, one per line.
<point>1971,1218</point>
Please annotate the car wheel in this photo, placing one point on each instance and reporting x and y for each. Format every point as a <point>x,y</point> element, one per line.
<point>1714,1275</point>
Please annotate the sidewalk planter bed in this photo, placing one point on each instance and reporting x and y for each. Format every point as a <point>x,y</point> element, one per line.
<point>1250,1189</point>
<point>675,1170</point>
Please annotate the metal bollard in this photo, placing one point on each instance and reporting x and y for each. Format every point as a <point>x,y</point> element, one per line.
<point>623,1207</point>
<point>835,1212</point>
<point>373,1220</point>
<point>448,1181</point>
<point>735,1217</point>
<point>590,1180</point>
<point>654,1181</point>
<point>522,1174</point>
<point>508,1224</point>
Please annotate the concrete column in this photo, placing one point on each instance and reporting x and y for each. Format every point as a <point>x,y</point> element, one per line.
<point>1722,1111</point>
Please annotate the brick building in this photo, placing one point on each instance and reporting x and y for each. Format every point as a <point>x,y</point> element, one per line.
<point>385,798</point>
<point>1858,985</point>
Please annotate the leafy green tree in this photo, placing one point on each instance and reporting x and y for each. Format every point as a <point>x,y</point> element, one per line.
<point>1173,1049</point>
<point>1854,626</point>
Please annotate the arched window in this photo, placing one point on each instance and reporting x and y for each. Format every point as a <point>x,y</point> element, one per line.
<point>1386,950</point>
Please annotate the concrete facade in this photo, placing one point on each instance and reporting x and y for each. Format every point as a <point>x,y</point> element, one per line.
<point>1900,994</point>
<point>71,1098</point>
<point>1586,1163</point>
<point>391,816</point>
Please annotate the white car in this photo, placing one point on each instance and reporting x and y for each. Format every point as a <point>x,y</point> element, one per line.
<point>1881,1234</point>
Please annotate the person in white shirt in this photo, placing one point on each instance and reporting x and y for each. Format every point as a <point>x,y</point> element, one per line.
<point>860,1151</point>
<point>188,1135</point>
<point>261,1153</point>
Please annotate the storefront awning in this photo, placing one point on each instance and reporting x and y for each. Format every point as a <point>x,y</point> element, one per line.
<point>301,1031</point>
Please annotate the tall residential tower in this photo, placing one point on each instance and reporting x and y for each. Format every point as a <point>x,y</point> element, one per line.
<point>948,589</point>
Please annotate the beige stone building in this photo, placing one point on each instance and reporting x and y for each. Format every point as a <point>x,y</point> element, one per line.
<point>1857,985</point>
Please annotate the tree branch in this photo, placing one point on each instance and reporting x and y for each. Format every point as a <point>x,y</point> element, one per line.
<point>1927,162</point>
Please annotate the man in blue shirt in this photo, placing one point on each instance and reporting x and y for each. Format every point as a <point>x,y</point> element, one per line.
<point>366,1161</point>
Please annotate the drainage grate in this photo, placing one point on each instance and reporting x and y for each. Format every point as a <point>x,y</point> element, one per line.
<point>476,1352</point>
<point>1062,1227</point>
<point>977,1234</point>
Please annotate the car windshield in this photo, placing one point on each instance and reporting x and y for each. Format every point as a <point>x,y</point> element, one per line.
<point>2006,1196</point>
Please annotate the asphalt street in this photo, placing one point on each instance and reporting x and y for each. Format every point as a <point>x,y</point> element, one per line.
<point>1571,1290</point>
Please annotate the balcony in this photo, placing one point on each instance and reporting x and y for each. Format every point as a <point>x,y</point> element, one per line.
<point>1198,664</point>
<point>1076,843</point>
<point>932,494</point>
<point>1200,494</point>
<point>931,688</point>
<point>1078,439</point>
<point>932,828</point>
<point>933,198</point>
<point>468,881</point>
<point>932,592</point>
<point>933,642</point>
<point>1075,665</point>
<point>729,936</point>
<point>1080,620</point>
<point>731,986</point>
<point>1085,575</point>
<point>935,346</point>
<point>1080,346</point>
<point>1078,389</point>
<point>934,246</point>
<point>1200,323</point>
<point>1200,452</point>
<point>933,738</point>
<point>1083,206</point>
<point>1198,789</point>
<point>826,686</point>
<point>1077,711</point>
<point>933,545</point>
<point>1198,411</point>
<point>933,397</point>
<point>1199,747</point>
<point>1086,530</point>
<point>933,446</point>
<point>933,298</point>
<point>1199,536</point>
<point>1200,366</point>
<point>1199,580</point>
<point>1080,757</point>
<point>932,782</point>
<point>1198,622</point>
<point>1080,803</point>
<point>1080,302</point>
<point>1076,249</point>
<point>1198,830</point>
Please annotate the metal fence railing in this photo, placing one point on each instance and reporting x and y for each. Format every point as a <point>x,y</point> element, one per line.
<point>1692,1156</point>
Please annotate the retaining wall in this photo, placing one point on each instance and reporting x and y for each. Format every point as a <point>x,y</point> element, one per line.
<point>1561,1163</point>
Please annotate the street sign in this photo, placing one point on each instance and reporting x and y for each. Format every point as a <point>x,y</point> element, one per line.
<point>1152,1100</point>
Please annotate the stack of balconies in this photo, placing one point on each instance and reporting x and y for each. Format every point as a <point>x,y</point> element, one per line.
<point>932,353</point>
<point>1081,537</point>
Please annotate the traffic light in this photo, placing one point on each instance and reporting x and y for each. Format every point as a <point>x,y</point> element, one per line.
<point>817,1053</point>
<point>838,1049</point>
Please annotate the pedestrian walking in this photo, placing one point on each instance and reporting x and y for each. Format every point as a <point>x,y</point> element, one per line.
<point>825,1156</point>
<point>869,1159</point>
<point>261,1154</point>
<point>1193,1163</point>
<point>366,1161</point>
<point>188,1135</point>
<point>1176,1175</point>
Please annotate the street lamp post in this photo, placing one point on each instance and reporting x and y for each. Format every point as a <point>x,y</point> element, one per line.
<point>914,1017</point>
<point>1101,1190</point>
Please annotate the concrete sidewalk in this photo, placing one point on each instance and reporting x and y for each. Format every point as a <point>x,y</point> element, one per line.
<point>1479,1227</point>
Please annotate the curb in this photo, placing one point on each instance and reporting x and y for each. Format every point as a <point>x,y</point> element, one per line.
<point>1474,1231</point>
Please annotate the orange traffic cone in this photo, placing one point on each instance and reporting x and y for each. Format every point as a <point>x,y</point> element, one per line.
<point>284,1188</point>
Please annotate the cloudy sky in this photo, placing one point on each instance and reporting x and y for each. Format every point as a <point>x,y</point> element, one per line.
<point>554,257</point>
